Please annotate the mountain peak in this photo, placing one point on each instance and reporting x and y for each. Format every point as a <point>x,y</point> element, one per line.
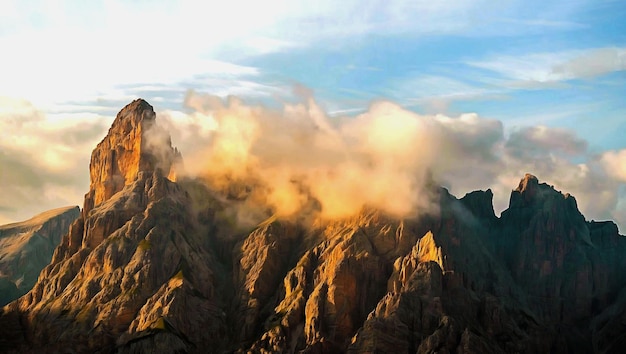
<point>137,111</point>
<point>164,266</point>
<point>528,183</point>
<point>530,192</point>
<point>133,144</point>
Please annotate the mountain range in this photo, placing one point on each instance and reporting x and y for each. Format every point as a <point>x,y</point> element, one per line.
<point>158,262</point>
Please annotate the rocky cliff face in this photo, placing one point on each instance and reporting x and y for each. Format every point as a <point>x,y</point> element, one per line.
<point>154,264</point>
<point>134,144</point>
<point>26,248</point>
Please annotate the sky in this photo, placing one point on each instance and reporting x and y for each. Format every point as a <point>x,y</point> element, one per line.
<point>524,86</point>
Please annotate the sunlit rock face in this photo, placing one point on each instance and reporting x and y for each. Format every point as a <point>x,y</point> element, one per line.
<point>155,264</point>
<point>132,145</point>
<point>132,264</point>
<point>26,248</point>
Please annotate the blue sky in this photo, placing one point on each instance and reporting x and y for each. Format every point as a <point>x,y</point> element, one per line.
<point>68,66</point>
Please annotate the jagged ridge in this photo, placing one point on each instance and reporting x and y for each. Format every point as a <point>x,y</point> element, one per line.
<point>142,269</point>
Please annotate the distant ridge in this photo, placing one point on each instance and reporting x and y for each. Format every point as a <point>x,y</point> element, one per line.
<point>26,248</point>
<point>37,219</point>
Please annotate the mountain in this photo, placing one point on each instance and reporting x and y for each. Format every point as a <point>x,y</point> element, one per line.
<point>157,263</point>
<point>26,248</point>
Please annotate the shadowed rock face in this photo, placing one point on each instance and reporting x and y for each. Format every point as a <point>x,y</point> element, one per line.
<point>153,264</point>
<point>26,248</point>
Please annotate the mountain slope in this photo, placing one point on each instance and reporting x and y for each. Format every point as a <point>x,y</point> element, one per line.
<point>154,263</point>
<point>26,248</point>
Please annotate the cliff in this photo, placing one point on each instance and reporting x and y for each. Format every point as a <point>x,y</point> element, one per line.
<point>133,144</point>
<point>155,263</point>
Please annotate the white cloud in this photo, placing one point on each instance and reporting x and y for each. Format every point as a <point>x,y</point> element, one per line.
<point>44,158</point>
<point>386,149</point>
<point>55,52</point>
<point>592,63</point>
<point>464,153</point>
<point>65,65</point>
<point>548,68</point>
<point>529,142</point>
<point>95,46</point>
<point>529,67</point>
<point>614,162</point>
<point>434,93</point>
<point>541,23</point>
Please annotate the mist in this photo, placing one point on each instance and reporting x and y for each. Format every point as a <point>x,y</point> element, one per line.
<point>297,156</point>
<point>296,159</point>
<point>293,159</point>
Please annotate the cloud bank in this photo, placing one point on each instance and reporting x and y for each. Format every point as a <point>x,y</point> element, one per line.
<point>296,158</point>
<point>384,158</point>
<point>44,158</point>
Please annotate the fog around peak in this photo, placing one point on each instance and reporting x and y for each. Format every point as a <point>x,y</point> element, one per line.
<point>384,158</point>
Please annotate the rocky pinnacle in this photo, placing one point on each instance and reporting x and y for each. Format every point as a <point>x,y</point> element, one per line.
<point>133,144</point>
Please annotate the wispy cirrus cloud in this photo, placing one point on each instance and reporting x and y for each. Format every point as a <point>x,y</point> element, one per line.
<point>548,68</point>
<point>542,23</point>
<point>80,65</point>
<point>113,46</point>
<point>435,86</point>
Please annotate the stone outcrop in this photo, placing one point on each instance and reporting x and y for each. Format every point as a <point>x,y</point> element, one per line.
<point>465,281</point>
<point>133,144</point>
<point>157,264</point>
<point>133,270</point>
<point>26,248</point>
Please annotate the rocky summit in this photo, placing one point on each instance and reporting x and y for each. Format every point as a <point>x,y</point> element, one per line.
<point>157,264</point>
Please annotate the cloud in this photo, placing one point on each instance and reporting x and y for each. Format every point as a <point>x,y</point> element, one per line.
<point>297,158</point>
<point>421,18</point>
<point>545,24</point>
<point>536,141</point>
<point>470,141</point>
<point>44,158</point>
<point>298,155</point>
<point>614,162</point>
<point>435,93</point>
<point>82,75</point>
<point>541,69</point>
<point>17,112</point>
<point>93,48</point>
<point>434,86</point>
<point>592,63</point>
